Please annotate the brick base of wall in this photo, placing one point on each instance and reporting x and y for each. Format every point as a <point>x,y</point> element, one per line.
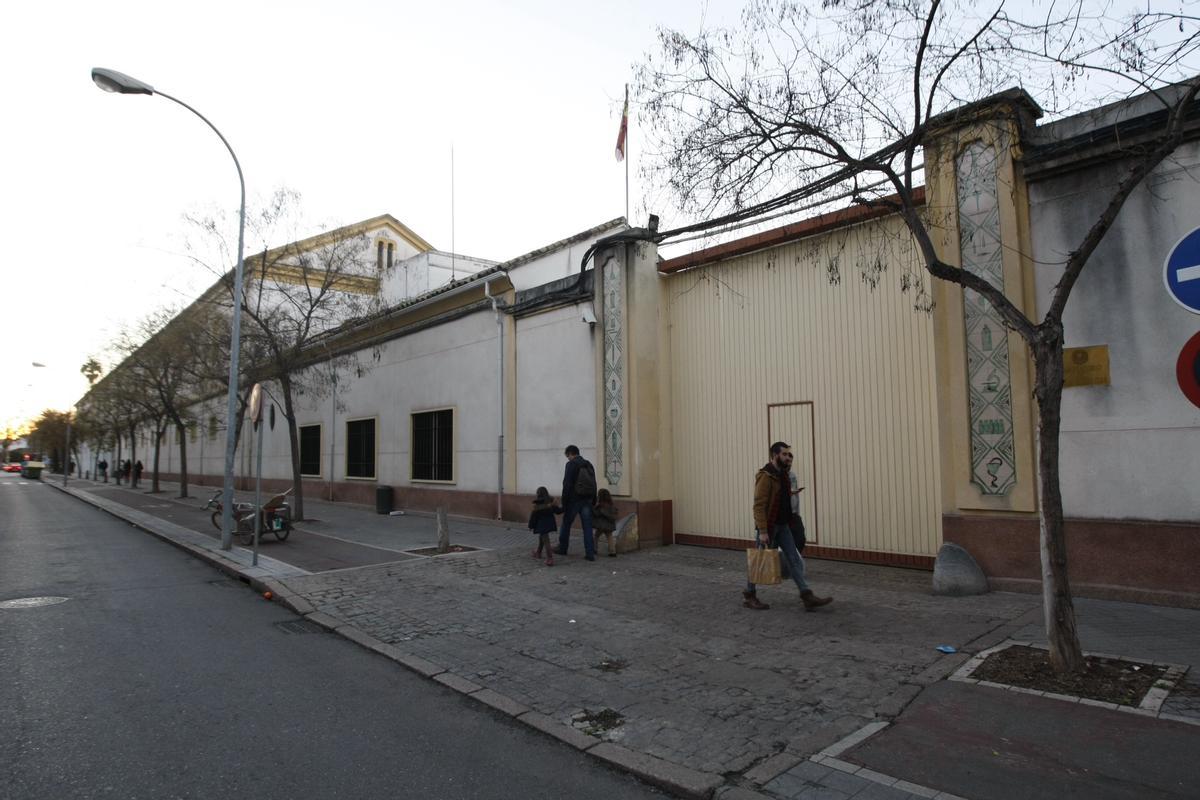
<point>1115,559</point>
<point>816,551</point>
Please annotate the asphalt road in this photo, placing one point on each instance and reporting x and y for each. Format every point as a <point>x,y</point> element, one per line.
<point>158,677</point>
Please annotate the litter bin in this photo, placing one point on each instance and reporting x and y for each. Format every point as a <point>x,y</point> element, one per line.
<point>383,499</point>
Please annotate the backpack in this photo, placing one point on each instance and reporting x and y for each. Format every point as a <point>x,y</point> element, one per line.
<point>585,481</point>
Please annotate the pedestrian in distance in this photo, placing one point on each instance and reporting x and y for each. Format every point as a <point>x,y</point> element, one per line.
<point>772,526</point>
<point>604,520</point>
<point>103,468</point>
<point>543,523</point>
<point>126,469</point>
<point>137,472</point>
<point>578,494</point>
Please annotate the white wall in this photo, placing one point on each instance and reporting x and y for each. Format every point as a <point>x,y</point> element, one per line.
<point>1130,450</point>
<point>556,396</point>
<point>554,265</point>
<point>425,272</point>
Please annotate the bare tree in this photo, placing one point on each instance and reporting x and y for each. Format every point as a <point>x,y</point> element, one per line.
<point>156,356</point>
<point>296,291</point>
<point>805,102</point>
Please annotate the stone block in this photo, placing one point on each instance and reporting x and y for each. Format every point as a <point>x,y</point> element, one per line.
<point>956,573</point>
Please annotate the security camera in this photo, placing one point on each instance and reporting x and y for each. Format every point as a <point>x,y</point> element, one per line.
<point>589,316</point>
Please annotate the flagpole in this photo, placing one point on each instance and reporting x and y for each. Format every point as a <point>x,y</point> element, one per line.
<point>627,222</point>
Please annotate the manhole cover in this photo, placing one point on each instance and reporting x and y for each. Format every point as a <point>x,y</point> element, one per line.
<point>299,626</point>
<point>32,602</point>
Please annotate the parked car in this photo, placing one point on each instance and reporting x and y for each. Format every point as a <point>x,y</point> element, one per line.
<point>12,466</point>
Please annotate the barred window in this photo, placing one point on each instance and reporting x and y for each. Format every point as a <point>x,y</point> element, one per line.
<point>360,448</point>
<point>433,445</point>
<point>310,450</point>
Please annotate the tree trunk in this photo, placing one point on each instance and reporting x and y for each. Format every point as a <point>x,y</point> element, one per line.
<point>183,470</point>
<point>1059,609</point>
<point>132,453</point>
<point>443,528</point>
<point>159,430</point>
<point>294,440</point>
<point>116,468</point>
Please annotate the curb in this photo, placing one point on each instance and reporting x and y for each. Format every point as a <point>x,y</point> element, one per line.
<point>675,778</point>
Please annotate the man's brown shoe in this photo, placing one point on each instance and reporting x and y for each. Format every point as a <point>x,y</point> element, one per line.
<point>751,601</point>
<point>812,602</point>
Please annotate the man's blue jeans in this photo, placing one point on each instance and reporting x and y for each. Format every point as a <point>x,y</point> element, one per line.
<point>787,551</point>
<point>582,509</point>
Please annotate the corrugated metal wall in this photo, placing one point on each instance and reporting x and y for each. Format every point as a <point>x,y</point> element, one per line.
<point>793,343</point>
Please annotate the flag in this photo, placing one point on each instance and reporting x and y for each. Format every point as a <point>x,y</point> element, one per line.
<point>624,128</point>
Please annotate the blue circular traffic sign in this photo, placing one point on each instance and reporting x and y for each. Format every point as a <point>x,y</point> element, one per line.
<point>1181,272</point>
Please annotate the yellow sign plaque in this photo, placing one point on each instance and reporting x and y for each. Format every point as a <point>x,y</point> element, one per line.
<point>1085,366</point>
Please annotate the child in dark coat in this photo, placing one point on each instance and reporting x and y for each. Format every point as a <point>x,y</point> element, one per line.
<point>604,519</point>
<point>542,522</point>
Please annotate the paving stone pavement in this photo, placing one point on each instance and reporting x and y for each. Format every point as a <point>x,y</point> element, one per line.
<point>660,637</point>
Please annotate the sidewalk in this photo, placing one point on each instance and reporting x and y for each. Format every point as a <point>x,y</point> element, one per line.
<point>649,661</point>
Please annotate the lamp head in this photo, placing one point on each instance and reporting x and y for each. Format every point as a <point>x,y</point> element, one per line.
<point>112,81</point>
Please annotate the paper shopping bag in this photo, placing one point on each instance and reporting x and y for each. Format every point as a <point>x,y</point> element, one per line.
<point>762,565</point>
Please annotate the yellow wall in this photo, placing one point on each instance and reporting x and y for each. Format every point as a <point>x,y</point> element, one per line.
<point>856,363</point>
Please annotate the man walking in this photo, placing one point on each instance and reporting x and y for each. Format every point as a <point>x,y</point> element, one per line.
<point>103,468</point>
<point>578,494</point>
<point>772,518</point>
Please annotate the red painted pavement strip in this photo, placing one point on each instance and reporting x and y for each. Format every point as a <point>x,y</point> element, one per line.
<point>991,744</point>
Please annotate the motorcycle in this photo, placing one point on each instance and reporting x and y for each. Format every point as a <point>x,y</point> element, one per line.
<point>276,517</point>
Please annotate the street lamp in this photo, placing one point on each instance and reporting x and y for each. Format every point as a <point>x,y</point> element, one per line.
<point>112,81</point>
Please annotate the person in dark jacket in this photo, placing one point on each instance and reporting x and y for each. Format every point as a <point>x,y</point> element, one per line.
<point>102,468</point>
<point>604,519</point>
<point>137,472</point>
<point>542,522</point>
<point>578,494</point>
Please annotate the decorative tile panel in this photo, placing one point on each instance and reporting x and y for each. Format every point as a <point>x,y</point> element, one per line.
<point>993,460</point>
<point>614,373</point>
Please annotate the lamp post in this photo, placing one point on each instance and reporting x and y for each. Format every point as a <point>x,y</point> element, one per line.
<point>113,81</point>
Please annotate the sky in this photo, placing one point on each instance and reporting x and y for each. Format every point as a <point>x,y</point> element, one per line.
<point>356,105</point>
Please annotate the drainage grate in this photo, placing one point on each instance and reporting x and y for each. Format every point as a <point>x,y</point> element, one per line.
<point>295,626</point>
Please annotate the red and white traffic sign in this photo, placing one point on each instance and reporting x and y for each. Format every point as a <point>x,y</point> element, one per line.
<point>1187,370</point>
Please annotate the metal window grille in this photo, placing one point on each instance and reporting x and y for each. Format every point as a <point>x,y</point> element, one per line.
<point>433,446</point>
<point>310,450</point>
<point>360,448</point>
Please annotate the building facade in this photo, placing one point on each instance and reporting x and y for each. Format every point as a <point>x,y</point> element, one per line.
<point>908,404</point>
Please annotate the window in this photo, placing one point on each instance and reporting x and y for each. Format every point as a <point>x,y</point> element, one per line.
<point>379,255</point>
<point>433,445</point>
<point>391,254</point>
<point>310,450</point>
<point>360,448</point>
